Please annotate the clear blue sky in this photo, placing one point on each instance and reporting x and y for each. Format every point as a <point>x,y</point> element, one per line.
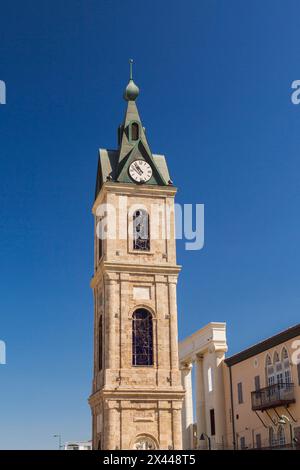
<point>215,82</point>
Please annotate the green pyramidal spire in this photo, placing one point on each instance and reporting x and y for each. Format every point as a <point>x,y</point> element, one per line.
<point>132,138</point>
<point>132,146</point>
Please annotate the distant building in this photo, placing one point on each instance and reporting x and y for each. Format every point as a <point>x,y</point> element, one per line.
<point>78,445</point>
<point>248,401</point>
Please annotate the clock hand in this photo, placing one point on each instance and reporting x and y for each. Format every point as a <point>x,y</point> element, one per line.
<point>137,168</point>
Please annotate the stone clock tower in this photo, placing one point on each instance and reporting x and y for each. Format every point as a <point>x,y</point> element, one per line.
<point>137,393</point>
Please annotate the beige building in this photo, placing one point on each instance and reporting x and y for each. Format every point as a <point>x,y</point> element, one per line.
<point>262,393</point>
<point>248,401</point>
<point>137,393</point>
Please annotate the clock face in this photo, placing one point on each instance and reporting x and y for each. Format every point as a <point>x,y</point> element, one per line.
<point>140,171</point>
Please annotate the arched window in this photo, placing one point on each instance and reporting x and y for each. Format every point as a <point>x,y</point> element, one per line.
<point>272,437</point>
<point>287,377</point>
<point>100,344</point>
<point>276,357</point>
<point>270,375</point>
<point>142,338</point>
<point>135,131</point>
<point>279,379</point>
<point>99,235</point>
<point>281,436</point>
<point>284,354</point>
<point>141,235</point>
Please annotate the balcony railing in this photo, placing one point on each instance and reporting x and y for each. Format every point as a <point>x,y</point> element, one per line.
<point>275,395</point>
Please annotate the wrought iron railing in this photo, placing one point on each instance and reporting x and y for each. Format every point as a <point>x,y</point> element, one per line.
<point>272,396</point>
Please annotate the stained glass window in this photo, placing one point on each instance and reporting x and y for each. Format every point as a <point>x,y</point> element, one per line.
<point>142,338</point>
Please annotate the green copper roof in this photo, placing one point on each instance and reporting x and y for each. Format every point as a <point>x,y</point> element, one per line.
<point>107,164</point>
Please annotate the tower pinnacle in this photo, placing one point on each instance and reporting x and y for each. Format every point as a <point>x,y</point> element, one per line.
<point>130,68</point>
<point>132,90</point>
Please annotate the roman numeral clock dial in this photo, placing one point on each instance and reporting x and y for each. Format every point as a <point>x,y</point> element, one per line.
<point>140,171</point>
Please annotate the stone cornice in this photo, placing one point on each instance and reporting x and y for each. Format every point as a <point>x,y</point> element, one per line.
<point>128,189</point>
<point>110,268</point>
<point>138,395</point>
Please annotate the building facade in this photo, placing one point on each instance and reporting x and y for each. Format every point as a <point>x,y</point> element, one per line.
<point>248,401</point>
<point>78,445</point>
<point>204,352</point>
<point>137,392</point>
<point>262,386</point>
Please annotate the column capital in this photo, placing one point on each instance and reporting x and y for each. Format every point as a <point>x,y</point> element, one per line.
<point>172,279</point>
<point>176,406</point>
<point>218,349</point>
<point>111,277</point>
<point>186,366</point>
<point>197,358</point>
<point>111,404</point>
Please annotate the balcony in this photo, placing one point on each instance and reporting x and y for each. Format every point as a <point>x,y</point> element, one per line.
<point>280,394</point>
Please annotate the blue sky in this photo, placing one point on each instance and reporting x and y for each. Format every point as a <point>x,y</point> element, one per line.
<point>215,80</point>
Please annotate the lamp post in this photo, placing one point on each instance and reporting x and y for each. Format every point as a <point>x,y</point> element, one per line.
<point>202,438</point>
<point>285,420</point>
<point>59,440</point>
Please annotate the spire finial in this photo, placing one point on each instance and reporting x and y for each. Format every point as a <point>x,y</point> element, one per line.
<point>130,67</point>
<point>131,91</point>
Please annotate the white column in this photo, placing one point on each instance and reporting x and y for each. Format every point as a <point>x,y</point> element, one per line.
<point>187,409</point>
<point>200,401</point>
<point>219,402</point>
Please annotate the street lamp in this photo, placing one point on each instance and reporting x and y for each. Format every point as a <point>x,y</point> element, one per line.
<point>285,420</point>
<point>202,438</point>
<point>59,440</point>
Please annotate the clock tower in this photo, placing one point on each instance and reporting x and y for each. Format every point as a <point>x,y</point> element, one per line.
<point>137,394</point>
